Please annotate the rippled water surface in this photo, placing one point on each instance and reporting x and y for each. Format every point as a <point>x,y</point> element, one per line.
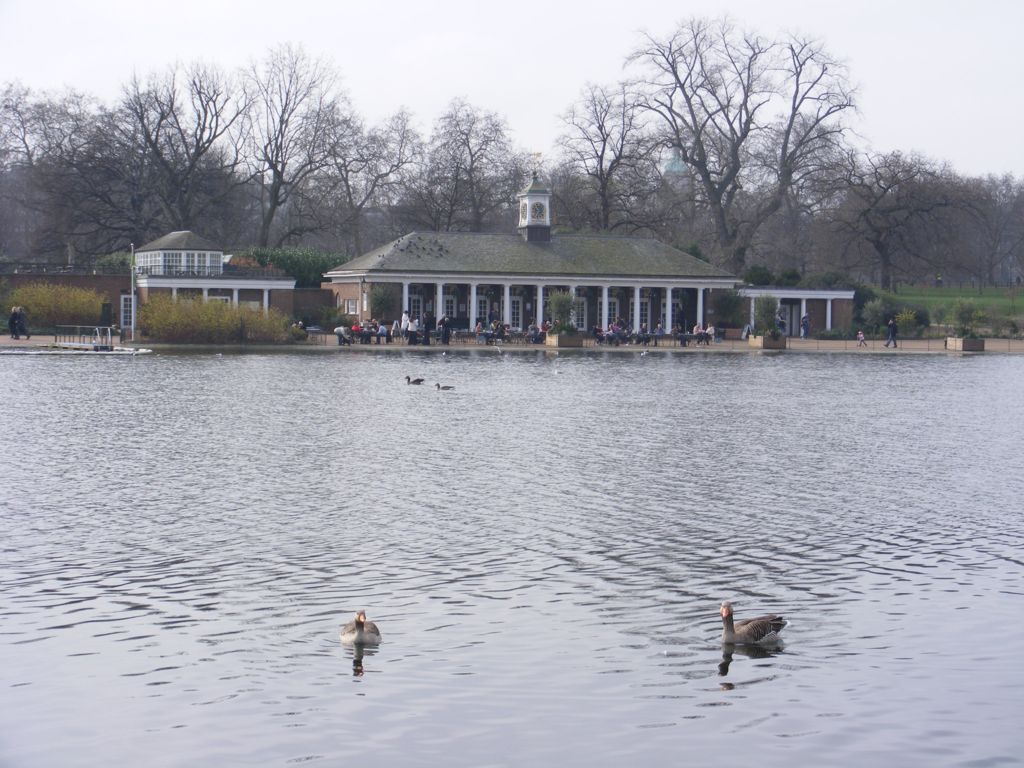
<point>544,548</point>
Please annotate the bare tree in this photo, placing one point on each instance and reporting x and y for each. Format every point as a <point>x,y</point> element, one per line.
<point>749,116</point>
<point>366,169</point>
<point>895,210</point>
<point>469,173</point>
<point>607,146</point>
<point>188,121</point>
<point>995,226</point>
<point>294,109</point>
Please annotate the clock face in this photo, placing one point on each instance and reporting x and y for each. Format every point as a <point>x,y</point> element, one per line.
<point>537,210</point>
<point>522,212</point>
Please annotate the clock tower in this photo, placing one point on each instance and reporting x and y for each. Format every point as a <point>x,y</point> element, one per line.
<point>535,212</point>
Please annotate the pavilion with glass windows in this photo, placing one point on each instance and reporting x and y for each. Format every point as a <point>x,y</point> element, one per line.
<point>473,277</point>
<point>186,265</point>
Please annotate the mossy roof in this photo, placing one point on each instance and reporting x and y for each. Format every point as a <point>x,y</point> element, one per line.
<point>501,254</point>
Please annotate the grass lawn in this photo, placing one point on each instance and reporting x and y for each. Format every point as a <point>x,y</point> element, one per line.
<point>1002,301</point>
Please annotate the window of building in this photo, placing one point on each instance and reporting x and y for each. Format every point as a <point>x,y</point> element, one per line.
<point>127,311</point>
<point>579,313</point>
<point>449,305</point>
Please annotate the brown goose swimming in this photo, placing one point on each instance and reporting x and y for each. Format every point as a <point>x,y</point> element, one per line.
<point>764,629</point>
<point>359,631</point>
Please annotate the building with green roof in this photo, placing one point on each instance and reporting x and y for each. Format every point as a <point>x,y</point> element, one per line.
<point>471,277</point>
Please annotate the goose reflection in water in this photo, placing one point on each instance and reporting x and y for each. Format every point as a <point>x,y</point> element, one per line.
<point>751,651</point>
<point>358,651</point>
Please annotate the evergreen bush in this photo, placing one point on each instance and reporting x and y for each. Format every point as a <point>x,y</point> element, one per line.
<point>766,311</point>
<point>560,304</point>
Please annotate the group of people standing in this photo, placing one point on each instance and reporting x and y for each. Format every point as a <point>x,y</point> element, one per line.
<point>17,324</point>
<point>417,330</point>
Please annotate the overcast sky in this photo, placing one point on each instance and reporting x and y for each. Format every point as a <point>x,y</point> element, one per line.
<point>942,78</point>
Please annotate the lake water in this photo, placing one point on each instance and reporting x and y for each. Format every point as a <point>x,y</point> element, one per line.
<point>544,548</point>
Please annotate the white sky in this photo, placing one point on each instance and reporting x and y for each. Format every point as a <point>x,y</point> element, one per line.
<point>942,78</point>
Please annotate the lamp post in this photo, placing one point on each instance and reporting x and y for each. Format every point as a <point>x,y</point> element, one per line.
<point>132,245</point>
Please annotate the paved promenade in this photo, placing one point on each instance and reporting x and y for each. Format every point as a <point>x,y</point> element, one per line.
<point>328,342</point>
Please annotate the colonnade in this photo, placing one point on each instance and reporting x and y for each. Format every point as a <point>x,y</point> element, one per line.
<point>538,289</point>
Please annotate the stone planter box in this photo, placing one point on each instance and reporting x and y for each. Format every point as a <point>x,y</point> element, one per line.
<point>959,344</point>
<point>563,340</point>
<point>766,342</point>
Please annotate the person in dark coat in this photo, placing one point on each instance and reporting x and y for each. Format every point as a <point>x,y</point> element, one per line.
<point>22,324</point>
<point>892,332</point>
<point>12,323</point>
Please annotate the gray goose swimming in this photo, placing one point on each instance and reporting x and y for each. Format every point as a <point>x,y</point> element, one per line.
<point>763,629</point>
<point>359,631</point>
<point>410,380</point>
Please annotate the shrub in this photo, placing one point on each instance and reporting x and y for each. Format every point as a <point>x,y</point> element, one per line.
<point>209,322</point>
<point>1002,325</point>
<point>966,317</point>
<point>385,298</point>
<point>789,277</point>
<point>875,313</point>
<point>758,275</point>
<point>766,310</point>
<point>48,305</point>
<point>120,261</point>
<point>832,280</point>
<point>306,265</point>
<point>729,306</point>
<point>560,303</point>
<point>906,319</point>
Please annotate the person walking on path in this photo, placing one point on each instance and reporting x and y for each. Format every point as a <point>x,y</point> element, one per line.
<point>860,339</point>
<point>405,325</point>
<point>22,329</point>
<point>893,330</point>
<point>12,323</point>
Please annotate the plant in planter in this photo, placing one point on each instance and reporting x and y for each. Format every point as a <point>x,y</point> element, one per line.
<point>563,333</point>
<point>729,306</point>
<point>966,317</point>
<point>766,310</point>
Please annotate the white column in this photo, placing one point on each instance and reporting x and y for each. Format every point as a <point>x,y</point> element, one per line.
<point>405,296</point>
<point>604,307</point>
<point>174,293</point>
<point>636,309</point>
<point>206,294</point>
<point>472,306</point>
<point>668,309</point>
<point>803,308</point>
<point>234,297</point>
<point>539,314</point>
<point>828,314</point>
<point>507,308</point>
<point>439,303</point>
<point>266,301</point>
<point>700,306</point>
<point>752,313</point>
